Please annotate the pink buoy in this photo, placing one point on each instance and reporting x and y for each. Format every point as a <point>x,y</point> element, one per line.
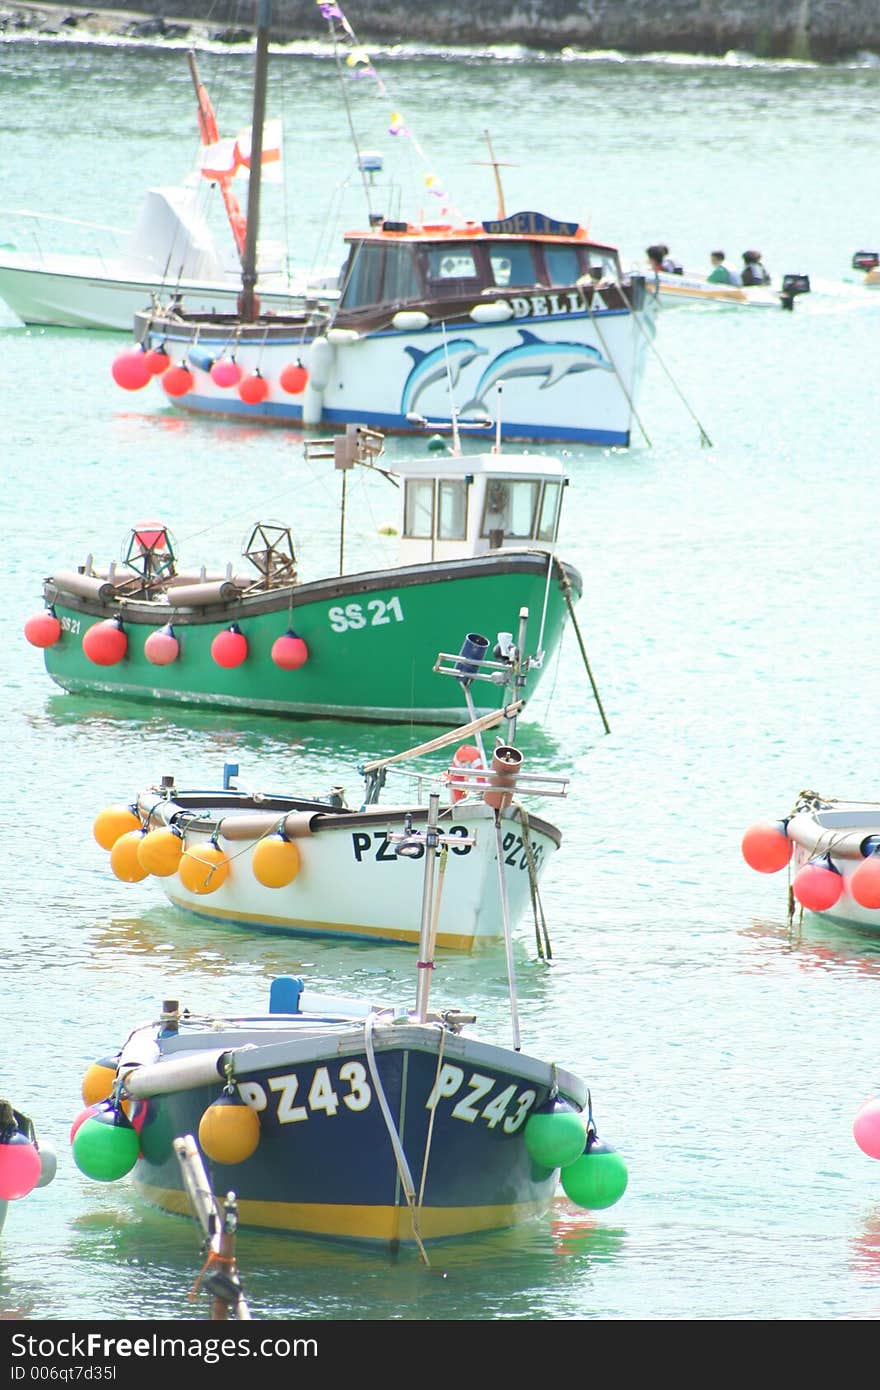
<point>229,648</point>
<point>289,651</point>
<point>864,886</point>
<point>43,629</point>
<point>225,372</point>
<point>766,847</point>
<point>253,389</point>
<point>162,647</point>
<point>19,1167</point>
<point>293,379</point>
<point>818,884</point>
<point>866,1127</point>
<point>176,381</point>
<point>156,361</point>
<point>130,370</point>
<point>105,643</point>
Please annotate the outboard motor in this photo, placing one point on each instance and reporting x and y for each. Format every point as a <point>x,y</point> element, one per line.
<point>866,260</point>
<point>793,285</point>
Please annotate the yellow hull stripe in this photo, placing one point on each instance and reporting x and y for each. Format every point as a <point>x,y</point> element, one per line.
<point>357,1222</point>
<point>454,941</point>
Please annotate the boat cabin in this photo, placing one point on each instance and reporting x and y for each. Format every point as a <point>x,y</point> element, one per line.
<point>467,505</point>
<point>400,266</point>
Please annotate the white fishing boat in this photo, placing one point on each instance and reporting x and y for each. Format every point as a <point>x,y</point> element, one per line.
<point>831,848</point>
<point>424,309</point>
<point>333,1116</point>
<point>319,867</point>
<point>170,252</point>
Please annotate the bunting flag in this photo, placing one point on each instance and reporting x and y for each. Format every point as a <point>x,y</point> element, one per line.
<point>360,64</point>
<point>229,159</point>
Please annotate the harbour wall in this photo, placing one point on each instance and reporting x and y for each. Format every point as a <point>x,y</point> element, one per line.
<point>824,31</point>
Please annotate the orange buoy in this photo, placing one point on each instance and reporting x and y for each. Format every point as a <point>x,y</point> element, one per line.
<point>112,822</point>
<point>203,869</point>
<point>43,629</point>
<point>275,861</point>
<point>160,851</point>
<point>124,859</point>
<point>229,1130</point>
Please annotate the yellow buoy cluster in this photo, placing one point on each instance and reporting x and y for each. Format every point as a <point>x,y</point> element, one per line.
<point>136,852</point>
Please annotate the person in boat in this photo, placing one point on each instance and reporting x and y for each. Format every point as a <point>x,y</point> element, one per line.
<point>754,271</point>
<point>660,259</point>
<point>720,274</point>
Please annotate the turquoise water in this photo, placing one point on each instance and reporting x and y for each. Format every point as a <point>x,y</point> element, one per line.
<point>728,614</point>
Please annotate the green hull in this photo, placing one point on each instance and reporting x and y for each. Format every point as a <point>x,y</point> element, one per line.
<point>372,640</point>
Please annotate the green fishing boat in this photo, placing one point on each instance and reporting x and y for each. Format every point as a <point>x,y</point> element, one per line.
<point>477,545</point>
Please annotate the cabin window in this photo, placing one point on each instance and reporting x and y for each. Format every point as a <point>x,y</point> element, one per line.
<point>510,507</point>
<point>563,266</point>
<point>363,282</point>
<point>607,266</point>
<point>452,510</point>
<point>401,280</point>
<point>512,264</point>
<point>549,505</point>
<point>418,514</point>
<point>451,263</point>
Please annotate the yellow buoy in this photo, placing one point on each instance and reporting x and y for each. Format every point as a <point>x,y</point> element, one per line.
<point>275,861</point>
<point>159,852</point>
<point>229,1131</point>
<point>98,1080</point>
<point>203,869</point>
<point>124,857</point>
<point>112,822</point>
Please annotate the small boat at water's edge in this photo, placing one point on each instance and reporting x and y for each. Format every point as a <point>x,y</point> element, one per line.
<point>833,848</point>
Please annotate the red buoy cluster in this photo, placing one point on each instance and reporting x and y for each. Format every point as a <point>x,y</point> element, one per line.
<point>135,367</point>
<point>106,643</point>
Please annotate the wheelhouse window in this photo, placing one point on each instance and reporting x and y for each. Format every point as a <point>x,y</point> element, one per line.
<point>511,507</point>
<point>563,264</point>
<point>452,510</point>
<point>418,508</point>
<point>452,268</point>
<point>401,280</point>
<point>363,279</point>
<point>548,513</point>
<point>446,501</point>
<point>512,263</point>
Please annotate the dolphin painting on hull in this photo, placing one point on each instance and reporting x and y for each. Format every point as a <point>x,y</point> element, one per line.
<point>429,367</point>
<point>534,356</point>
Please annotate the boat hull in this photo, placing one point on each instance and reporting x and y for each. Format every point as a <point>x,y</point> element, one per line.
<point>78,294</point>
<point>577,372</point>
<point>845,831</point>
<point>325,1164</point>
<point>372,640</point>
<point>350,882</point>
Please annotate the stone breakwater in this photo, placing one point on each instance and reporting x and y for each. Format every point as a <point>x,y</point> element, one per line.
<point>817,30</point>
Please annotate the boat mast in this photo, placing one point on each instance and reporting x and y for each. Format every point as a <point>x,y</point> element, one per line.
<point>248,307</point>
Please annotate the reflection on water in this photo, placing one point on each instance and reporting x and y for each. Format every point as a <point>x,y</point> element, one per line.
<point>817,945</point>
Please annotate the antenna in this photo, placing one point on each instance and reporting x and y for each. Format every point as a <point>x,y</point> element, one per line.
<point>497,448</point>
<point>495,165</point>
<point>453,408</point>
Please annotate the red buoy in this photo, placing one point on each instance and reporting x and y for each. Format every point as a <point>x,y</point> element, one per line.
<point>468,755</point>
<point>177,380</point>
<point>294,378</point>
<point>229,648</point>
<point>43,629</point>
<point>105,643</point>
<point>156,360</point>
<point>253,389</point>
<point>226,372</point>
<point>130,370</point>
<point>817,885</point>
<point>289,651</point>
<point>766,847</point>
<point>864,886</point>
<point>162,647</point>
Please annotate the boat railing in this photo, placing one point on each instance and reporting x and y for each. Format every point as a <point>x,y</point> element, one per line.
<point>42,235</point>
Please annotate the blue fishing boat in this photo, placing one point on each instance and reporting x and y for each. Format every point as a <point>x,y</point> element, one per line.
<point>336,1117</point>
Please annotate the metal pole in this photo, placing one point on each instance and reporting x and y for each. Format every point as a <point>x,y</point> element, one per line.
<point>519,678</point>
<point>478,737</point>
<point>508,945</point>
<point>248,309</point>
<point>424,964</point>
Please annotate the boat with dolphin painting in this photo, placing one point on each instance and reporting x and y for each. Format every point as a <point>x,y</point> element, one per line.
<point>428,316</point>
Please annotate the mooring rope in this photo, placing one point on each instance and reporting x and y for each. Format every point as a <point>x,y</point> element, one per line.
<point>403,1167</point>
